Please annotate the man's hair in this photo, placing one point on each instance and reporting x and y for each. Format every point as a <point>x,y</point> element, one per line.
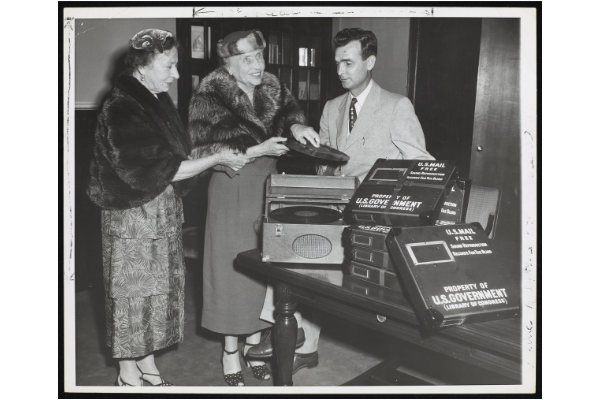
<point>367,39</point>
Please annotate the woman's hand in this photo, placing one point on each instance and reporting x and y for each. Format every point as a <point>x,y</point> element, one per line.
<point>228,158</point>
<point>302,133</point>
<point>235,161</point>
<point>271,147</point>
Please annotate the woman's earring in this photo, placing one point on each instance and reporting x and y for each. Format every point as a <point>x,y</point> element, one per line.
<point>143,77</point>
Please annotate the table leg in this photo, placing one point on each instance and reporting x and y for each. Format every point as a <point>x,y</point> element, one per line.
<point>286,330</point>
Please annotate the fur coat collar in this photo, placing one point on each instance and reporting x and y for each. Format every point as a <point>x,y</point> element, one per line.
<point>161,112</point>
<point>222,116</point>
<point>138,146</point>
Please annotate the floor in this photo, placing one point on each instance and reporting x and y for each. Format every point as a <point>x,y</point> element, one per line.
<point>345,349</point>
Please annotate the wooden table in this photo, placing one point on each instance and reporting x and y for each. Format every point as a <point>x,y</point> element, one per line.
<point>483,353</point>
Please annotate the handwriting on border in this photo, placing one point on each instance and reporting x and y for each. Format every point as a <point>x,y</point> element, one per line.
<point>200,11</point>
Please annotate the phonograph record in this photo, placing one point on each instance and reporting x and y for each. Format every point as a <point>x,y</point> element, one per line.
<point>323,152</point>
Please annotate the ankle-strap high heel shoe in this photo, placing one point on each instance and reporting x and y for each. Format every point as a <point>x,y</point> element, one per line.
<point>260,372</point>
<point>163,382</point>
<point>237,377</point>
<point>121,382</point>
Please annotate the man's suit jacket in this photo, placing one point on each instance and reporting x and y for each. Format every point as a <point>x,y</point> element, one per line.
<point>386,127</point>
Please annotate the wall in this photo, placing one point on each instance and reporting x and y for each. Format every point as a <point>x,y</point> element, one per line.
<point>391,69</point>
<point>98,45</point>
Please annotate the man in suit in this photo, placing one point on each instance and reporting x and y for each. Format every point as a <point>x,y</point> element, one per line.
<point>382,125</point>
<point>366,123</point>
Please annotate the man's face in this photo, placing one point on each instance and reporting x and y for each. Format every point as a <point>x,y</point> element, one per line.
<point>352,70</point>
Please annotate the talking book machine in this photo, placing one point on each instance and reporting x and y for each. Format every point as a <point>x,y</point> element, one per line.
<point>372,236</point>
<point>303,218</point>
<point>403,193</point>
<point>452,274</point>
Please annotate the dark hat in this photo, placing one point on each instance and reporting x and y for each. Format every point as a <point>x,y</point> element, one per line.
<point>240,42</point>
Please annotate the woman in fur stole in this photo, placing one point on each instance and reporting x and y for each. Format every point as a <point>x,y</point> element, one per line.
<point>240,107</point>
<point>139,172</point>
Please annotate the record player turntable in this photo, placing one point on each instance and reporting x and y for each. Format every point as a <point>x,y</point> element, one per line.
<point>303,218</point>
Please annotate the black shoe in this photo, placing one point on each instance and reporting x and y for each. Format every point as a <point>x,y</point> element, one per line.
<point>264,349</point>
<point>260,372</point>
<point>309,360</point>
<point>237,377</point>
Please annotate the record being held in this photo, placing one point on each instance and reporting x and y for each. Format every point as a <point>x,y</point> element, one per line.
<point>306,215</point>
<point>323,152</point>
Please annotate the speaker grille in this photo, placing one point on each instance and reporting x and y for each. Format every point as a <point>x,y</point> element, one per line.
<point>312,246</point>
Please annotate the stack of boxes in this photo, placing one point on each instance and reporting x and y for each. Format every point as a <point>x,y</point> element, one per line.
<point>396,193</point>
<point>367,257</point>
<point>451,272</point>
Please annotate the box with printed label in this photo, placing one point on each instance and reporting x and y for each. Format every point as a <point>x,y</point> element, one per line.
<point>402,193</point>
<point>453,274</point>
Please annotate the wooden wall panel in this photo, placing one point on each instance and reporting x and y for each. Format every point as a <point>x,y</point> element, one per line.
<point>496,149</point>
<point>443,84</point>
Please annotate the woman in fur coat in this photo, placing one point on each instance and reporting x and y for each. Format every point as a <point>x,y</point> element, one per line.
<point>240,107</point>
<point>139,172</point>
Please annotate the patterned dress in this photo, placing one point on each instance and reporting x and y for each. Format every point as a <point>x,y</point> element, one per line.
<point>144,276</point>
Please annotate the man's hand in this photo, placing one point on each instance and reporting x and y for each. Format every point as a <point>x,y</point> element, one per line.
<point>302,133</point>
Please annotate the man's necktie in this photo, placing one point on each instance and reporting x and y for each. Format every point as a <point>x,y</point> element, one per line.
<point>352,113</point>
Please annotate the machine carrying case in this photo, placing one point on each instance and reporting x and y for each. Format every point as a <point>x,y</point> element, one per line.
<point>453,275</point>
<point>402,193</point>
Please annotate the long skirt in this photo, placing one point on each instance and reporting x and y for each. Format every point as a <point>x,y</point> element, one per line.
<point>144,276</point>
<point>233,297</point>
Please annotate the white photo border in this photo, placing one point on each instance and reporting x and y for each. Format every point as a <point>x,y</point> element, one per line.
<point>528,181</point>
